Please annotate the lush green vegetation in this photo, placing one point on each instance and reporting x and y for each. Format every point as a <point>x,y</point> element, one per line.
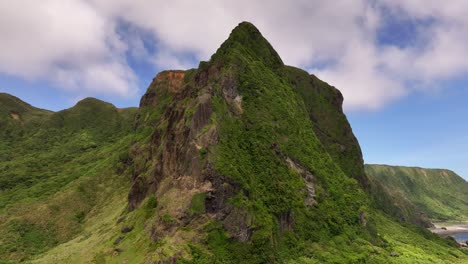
<point>275,115</point>
<point>440,194</point>
<point>65,177</point>
<point>324,107</point>
<point>53,173</point>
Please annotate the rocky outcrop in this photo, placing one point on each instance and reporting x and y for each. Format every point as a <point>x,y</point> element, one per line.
<point>164,82</point>
<point>308,180</point>
<point>305,173</point>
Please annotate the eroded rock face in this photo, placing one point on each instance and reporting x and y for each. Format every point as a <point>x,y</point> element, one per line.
<point>223,188</point>
<point>166,81</point>
<point>171,152</point>
<point>308,178</point>
<point>203,113</point>
<point>231,95</point>
<point>305,173</point>
<point>137,192</point>
<point>180,140</point>
<point>174,80</point>
<point>239,224</point>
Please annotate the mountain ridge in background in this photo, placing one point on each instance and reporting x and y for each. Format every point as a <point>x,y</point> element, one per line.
<point>439,193</point>
<point>243,160</point>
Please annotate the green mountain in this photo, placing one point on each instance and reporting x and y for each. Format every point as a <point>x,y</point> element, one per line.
<point>51,168</point>
<point>439,194</point>
<point>243,160</point>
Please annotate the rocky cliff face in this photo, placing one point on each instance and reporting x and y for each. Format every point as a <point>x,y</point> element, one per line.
<point>174,146</point>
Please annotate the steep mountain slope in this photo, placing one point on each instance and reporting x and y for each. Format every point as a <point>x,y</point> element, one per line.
<point>440,194</point>
<point>243,160</point>
<point>324,107</point>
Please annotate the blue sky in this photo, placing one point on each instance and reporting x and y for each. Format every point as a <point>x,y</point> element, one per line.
<point>425,130</point>
<point>401,64</point>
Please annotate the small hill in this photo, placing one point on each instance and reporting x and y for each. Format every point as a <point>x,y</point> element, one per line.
<point>55,167</point>
<point>438,193</point>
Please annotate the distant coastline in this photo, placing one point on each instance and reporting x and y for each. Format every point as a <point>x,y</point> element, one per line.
<point>445,229</point>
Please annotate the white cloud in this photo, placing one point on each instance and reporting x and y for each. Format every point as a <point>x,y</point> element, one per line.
<point>67,42</point>
<point>76,42</point>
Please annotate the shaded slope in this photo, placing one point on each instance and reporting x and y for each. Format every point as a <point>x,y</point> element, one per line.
<point>440,194</point>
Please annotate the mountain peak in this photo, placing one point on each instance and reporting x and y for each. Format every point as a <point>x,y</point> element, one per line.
<point>92,102</point>
<point>246,40</point>
<point>247,27</point>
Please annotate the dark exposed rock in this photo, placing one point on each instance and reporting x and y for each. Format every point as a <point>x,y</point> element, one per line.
<point>286,221</point>
<point>223,188</point>
<point>118,250</point>
<point>117,240</point>
<point>238,223</point>
<point>203,113</point>
<point>137,193</point>
<point>126,229</point>
<point>120,220</point>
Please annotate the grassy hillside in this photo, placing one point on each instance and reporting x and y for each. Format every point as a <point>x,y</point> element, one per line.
<point>55,168</point>
<point>16,116</point>
<point>440,194</point>
<point>12,108</point>
<point>238,161</point>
